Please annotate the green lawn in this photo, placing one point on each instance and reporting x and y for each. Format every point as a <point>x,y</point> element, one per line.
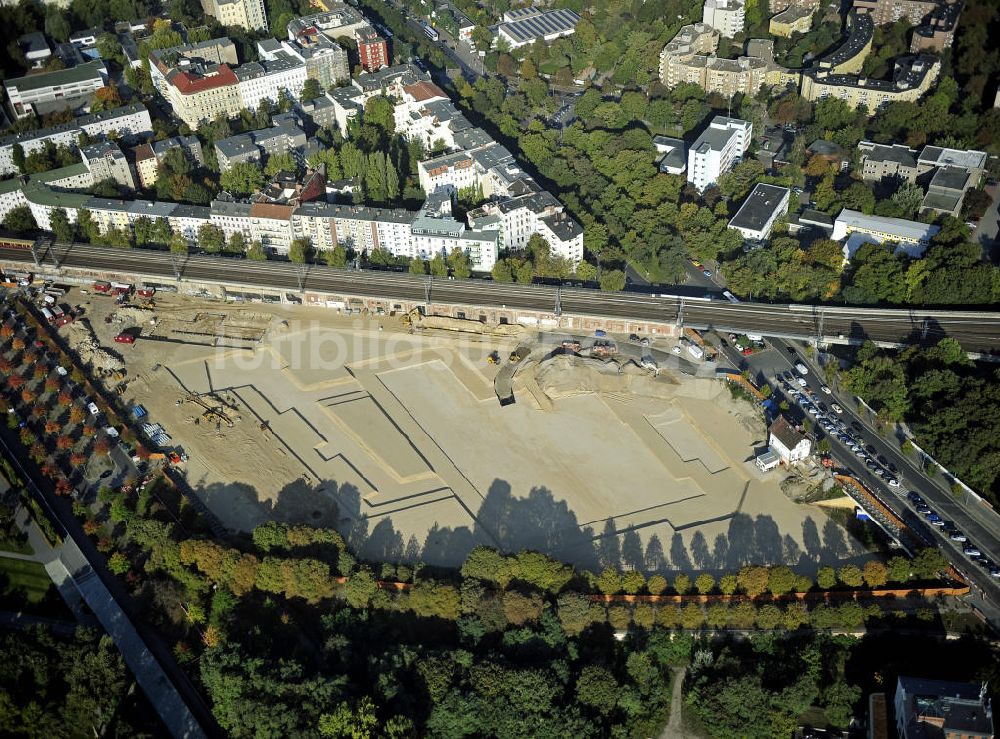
<point>22,579</point>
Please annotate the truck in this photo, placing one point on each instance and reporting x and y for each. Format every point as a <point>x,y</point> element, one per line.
<point>102,286</point>
<point>696,351</point>
<point>47,314</point>
<point>124,338</point>
<point>146,291</point>
<point>120,288</point>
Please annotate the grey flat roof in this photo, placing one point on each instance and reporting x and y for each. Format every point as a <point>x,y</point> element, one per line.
<point>970,159</point>
<point>760,205</point>
<point>951,178</point>
<point>90,70</point>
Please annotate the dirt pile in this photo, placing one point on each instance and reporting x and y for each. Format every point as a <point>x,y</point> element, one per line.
<point>566,375</point>
<point>81,338</point>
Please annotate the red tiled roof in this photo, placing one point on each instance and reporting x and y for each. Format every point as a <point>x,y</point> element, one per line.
<point>424,90</point>
<point>144,152</point>
<point>189,83</point>
<point>267,210</point>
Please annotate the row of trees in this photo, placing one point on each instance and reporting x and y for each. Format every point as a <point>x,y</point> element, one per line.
<point>951,405</point>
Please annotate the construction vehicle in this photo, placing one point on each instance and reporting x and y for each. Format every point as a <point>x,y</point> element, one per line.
<point>515,357</point>
<point>494,357</point>
<point>210,414</point>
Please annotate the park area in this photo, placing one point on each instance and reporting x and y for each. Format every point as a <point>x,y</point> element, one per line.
<point>395,435</point>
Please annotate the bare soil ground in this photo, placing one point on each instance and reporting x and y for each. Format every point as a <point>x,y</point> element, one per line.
<point>398,439</point>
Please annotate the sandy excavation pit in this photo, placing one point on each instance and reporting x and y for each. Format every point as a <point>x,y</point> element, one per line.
<point>400,441</point>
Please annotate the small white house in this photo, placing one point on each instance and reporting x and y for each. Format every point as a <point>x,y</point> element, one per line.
<point>785,440</point>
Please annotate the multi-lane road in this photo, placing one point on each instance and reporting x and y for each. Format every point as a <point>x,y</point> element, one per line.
<point>977,331</point>
<point>978,522</point>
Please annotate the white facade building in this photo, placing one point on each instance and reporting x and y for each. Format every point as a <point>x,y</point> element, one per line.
<point>763,207</point>
<point>717,149</point>
<point>790,444</point>
<point>726,16</point>
<point>911,236</point>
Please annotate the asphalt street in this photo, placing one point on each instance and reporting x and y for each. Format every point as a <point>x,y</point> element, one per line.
<point>979,523</point>
<point>977,331</point>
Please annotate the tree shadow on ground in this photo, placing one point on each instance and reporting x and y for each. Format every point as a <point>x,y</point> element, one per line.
<point>536,522</point>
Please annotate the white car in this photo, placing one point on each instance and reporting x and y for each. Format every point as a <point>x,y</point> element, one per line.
<point>92,407</point>
<point>676,350</point>
<point>825,389</point>
<point>893,482</point>
<point>61,370</point>
<point>837,409</point>
<point>801,368</point>
<point>801,381</point>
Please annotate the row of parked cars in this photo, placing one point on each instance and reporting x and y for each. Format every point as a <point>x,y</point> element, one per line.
<point>968,548</point>
<point>810,403</point>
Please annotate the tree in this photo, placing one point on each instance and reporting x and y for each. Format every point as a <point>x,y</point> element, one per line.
<point>243,178</point>
<point>460,264</point>
<point>875,573</point>
<point>682,584</point>
<point>60,225</point>
<point>237,243</point>
<point>300,251</point>
<point>780,580</point>
<point>211,238</point>
<point>280,163</point>
<point>850,575</point>
<point>178,243</point>
<point>613,280</point>
<point>106,98</point>
<point>417,266</point>
<point>438,266</point>
<point>336,257</point>
<point>753,580</point>
<point>704,583</point>
<point>728,584</point>
<point>597,688</point>
<point>256,251</point>
<point>311,89</point>
<point>118,563</point>
<point>20,220</point>
<point>17,156</point>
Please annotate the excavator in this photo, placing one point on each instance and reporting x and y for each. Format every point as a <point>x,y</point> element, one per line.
<point>210,414</point>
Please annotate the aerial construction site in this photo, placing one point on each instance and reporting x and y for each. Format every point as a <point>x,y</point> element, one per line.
<point>422,437</point>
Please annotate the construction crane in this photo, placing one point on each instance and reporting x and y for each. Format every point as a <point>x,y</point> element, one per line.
<point>210,413</point>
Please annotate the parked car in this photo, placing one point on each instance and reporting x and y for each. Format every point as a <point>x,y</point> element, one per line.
<point>957,536</point>
<point>836,408</point>
<point>801,368</point>
<point>825,389</point>
<point>970,550</point>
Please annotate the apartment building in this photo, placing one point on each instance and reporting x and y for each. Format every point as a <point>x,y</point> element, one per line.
<point>37,94</point>
<point>793,19</point>
<point>201,81</point>
<point>973,161</point>
<point>349,102</point>
<point>431,236</point>
<point>373,51</point>
<point>324,60</point>
<point>849,57</point>
<point>267,79</point>
<point>248,14</point>
<point>726,16</point>
<point>106,161</point>
<point>522,216</point>
<point>286,137</point>
<point>912,78</point>
<point>690,57</point>
<point>187,219</point>
<point>146,166</point>
<point>716,150</point>
<point>882,161</point>
<point>340,20</point>
<point>127,122</point>
<point>939,708</point>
